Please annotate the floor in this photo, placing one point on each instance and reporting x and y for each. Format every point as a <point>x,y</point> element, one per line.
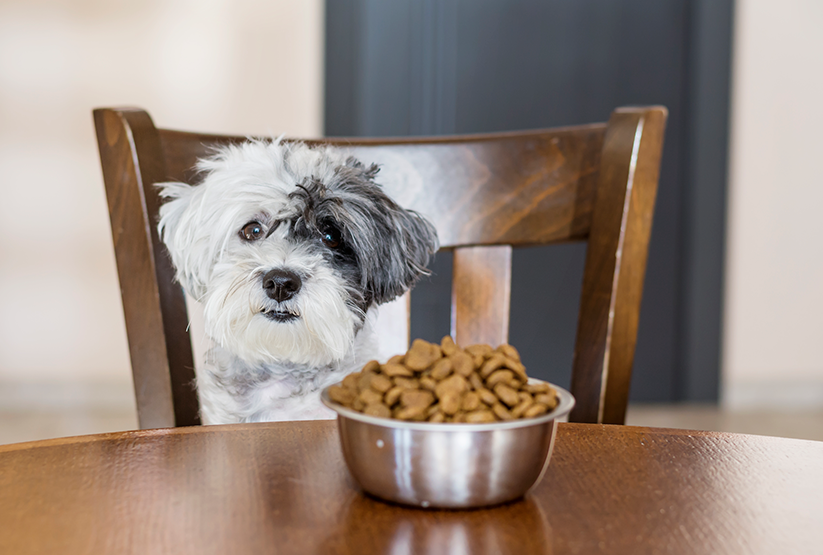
<point>18,423</point>
<point>799,424</point>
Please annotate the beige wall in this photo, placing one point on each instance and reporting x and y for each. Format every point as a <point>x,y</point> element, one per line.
<point>236,66</point>
<point>774,285</point>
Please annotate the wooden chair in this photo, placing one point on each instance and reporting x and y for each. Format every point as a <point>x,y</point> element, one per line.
<point>484,193</point>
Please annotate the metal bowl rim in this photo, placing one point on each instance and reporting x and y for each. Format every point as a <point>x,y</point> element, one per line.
<point>564,406</point>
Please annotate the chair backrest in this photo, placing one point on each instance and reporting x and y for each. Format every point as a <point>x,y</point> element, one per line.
<point>484,194</point>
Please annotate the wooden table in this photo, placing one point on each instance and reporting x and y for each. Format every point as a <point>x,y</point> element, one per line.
<point>283,488</point>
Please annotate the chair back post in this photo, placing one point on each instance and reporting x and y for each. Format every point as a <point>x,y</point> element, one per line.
<point>481,294</point>
<point>153,303</point>
<point>616,264</point>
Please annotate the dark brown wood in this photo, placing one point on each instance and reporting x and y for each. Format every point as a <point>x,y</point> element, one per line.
<point>153,305</point>
<point>480,191</point>
<point>616,264</point>
<point>284,488</point>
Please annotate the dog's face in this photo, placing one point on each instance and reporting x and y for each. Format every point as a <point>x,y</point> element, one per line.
<point>287,246</point>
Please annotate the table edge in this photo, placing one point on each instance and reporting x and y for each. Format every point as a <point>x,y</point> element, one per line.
<point>182,431</point>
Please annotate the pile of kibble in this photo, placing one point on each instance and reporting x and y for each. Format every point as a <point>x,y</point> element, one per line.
<point>444,383</point>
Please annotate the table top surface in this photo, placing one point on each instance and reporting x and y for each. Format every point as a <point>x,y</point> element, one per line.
<point>284,488</point>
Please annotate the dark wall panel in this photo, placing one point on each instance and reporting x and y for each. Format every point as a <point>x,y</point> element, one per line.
<point>421,67</point>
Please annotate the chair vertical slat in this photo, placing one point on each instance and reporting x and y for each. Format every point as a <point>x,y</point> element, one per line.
<point>632,272</point>
<point>613,275</point>
<point>481,291</point>
<point>153,303</point>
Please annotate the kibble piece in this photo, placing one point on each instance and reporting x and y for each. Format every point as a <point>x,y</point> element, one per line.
<point>459,417</point>
<point>476,383</point>
<point>364,381</point>
<point>433,409</point>
<point>545,398</point>
<point>455,384</point>
<point>396,359</point>
<point>406,383</point>
<point>392,396</point>
<point>506,394</point>
<point>441,369</point>
<point>421,355</point>
<point>502,412</point>
<point>480,416</point>
<point>499,376</point>
<point>358,405</point>
<point>483,350</point>
<point>377,409</point>
<point>350,381</point>
<point>518,369</point>
<point>471,401</point>
<point>393,370</point>
<point>370,396</point>
<point>509,352</point>
<point>525,396</point>
<point>410,413</point>
<point>450,403</point>
<point>537,387</point>
<point>463,363</point>
<point>437,417</point>
<point>381,383</point>
<point>427,383</point>
<point>448,347</point>
<point>477,361</point>
<point>495,362</point>
<point>521,408</point>
<point>416,397</point>
<point>548,399</point>
<point>536,410</point>
<point>371,366</point>
<point>487,396</point>
<point>341,395</point>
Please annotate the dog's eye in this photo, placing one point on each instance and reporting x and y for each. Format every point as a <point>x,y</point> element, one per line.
<point>331,236</point>
<point>252,231</point>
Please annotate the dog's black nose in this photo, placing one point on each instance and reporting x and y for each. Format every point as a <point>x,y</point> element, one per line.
<point>281,285</point>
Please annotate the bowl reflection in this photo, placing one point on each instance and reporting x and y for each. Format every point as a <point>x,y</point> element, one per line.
<point>370,526</point>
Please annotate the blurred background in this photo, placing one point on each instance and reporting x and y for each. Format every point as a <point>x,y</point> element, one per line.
<point>730,328</point>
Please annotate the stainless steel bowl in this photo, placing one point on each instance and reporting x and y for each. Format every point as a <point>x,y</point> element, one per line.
<point>454,466</point>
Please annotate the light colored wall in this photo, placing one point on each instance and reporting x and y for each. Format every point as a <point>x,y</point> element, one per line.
<point>774,284</point>
<point>234,66</point>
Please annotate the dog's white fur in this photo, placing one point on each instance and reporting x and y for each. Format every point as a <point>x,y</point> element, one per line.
<point>261,368</point>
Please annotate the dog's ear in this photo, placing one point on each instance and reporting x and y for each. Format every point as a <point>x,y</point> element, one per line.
<point>182,237</point>
<point>393,245</point>
<point>407,248</point>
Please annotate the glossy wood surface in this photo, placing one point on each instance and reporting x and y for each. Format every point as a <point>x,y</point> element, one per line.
<point>484,194</point>
<point>284,488</point>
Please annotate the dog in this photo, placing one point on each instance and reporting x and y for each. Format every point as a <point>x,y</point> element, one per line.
<point>290,248</point>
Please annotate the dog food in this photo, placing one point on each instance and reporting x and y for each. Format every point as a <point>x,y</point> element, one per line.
<point>444,383</point>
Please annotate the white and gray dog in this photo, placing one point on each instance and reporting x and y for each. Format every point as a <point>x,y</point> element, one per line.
<point>289,248</point>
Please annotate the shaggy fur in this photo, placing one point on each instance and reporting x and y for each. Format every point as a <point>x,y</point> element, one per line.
<point>288,248</point>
